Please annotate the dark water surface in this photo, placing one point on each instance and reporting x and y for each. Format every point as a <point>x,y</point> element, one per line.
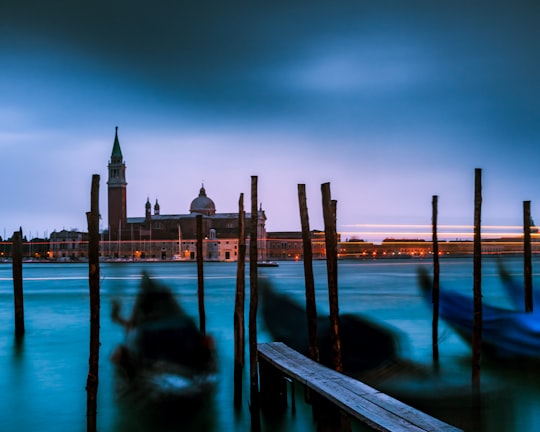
<point>43,378</point>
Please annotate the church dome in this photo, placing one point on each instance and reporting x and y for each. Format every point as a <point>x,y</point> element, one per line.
<point>202,204</point>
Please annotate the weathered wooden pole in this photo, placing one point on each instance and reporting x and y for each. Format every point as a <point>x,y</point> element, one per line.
<point>239,306</point>
<point>527,256</point>
<point>16,257</point>
<point>311,305</point>
<point>318,405</point>
<point>334,418</point>
<point>477,280</point>
<point>435,292</point>
<point>93,279</point>
<point>200,275</point>
<point>253,300</point>
<point>329,214</point>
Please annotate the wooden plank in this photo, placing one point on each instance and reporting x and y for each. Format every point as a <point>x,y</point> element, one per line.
<point>343,391</point>
<point>328,383</point>
<point>363,408</point>
<point>371,407</point>
<point>294,365</point>
<point>421,419</point>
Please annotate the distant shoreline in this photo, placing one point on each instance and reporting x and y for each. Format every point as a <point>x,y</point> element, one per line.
<point>356,259</point>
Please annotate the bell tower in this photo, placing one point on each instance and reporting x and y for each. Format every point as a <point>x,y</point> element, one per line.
<point>117,187</point>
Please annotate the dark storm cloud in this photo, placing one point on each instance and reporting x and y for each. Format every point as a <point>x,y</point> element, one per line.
<point>363,90</point>
<point>350,66</point>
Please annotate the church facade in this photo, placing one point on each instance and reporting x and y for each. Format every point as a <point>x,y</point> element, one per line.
<point>173,236</point>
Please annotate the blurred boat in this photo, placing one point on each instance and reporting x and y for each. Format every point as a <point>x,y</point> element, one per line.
<point>515,289</point>
<point>365,344</point>
<point>164,357</point>
<point>507,334</point>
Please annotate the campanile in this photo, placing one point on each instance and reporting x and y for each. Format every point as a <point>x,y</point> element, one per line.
<point>117,187</point>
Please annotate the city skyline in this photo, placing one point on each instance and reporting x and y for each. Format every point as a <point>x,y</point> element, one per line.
<point>390,103</point>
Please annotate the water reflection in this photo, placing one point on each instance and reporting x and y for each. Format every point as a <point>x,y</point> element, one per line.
<point>18,346</point>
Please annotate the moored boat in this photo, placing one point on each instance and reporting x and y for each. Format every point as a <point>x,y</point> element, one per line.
<point>164,357</point>
<point>507,334</point>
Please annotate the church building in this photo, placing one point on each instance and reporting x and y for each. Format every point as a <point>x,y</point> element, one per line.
<point>173,236</point>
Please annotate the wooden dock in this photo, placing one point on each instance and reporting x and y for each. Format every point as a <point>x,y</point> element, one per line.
<point>366,404</point>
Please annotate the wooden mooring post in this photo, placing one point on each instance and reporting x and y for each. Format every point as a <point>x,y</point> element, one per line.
<point>93,279</point>
<point>200,275</point>
<point>239,305</point>
<point>329,214</point>
<point>18,283</point>
<point>330,417</point>
<point>253,300</point>
<point>435,291</point>
<point>476,406</point>
<point>527,256</point>
<point>477,280</point>
<point>311,306</point>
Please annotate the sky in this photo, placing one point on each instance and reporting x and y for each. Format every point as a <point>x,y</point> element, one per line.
<point>391,102</point>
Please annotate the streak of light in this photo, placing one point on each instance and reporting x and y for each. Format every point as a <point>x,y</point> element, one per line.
<point>422,226</point>
<point>425,234</point>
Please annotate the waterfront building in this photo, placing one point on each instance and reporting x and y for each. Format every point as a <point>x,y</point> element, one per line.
<point>288,245</point>
<point>67,245</point>
<point>170,236</point>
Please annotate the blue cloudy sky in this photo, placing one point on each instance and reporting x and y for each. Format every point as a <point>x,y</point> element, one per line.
<point>389,101</point>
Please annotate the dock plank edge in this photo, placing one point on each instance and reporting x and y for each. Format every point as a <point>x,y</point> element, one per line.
<point>366,404</point>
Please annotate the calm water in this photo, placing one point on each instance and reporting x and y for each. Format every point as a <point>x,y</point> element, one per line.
<point>43,379</point>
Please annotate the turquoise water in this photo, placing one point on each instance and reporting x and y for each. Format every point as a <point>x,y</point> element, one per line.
<point>43,379</point>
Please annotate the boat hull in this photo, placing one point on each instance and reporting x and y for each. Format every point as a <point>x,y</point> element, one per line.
<point>164,359</point>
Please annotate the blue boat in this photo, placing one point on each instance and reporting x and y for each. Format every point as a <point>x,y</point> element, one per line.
<point>515,289</point>
<point>507,334</point>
